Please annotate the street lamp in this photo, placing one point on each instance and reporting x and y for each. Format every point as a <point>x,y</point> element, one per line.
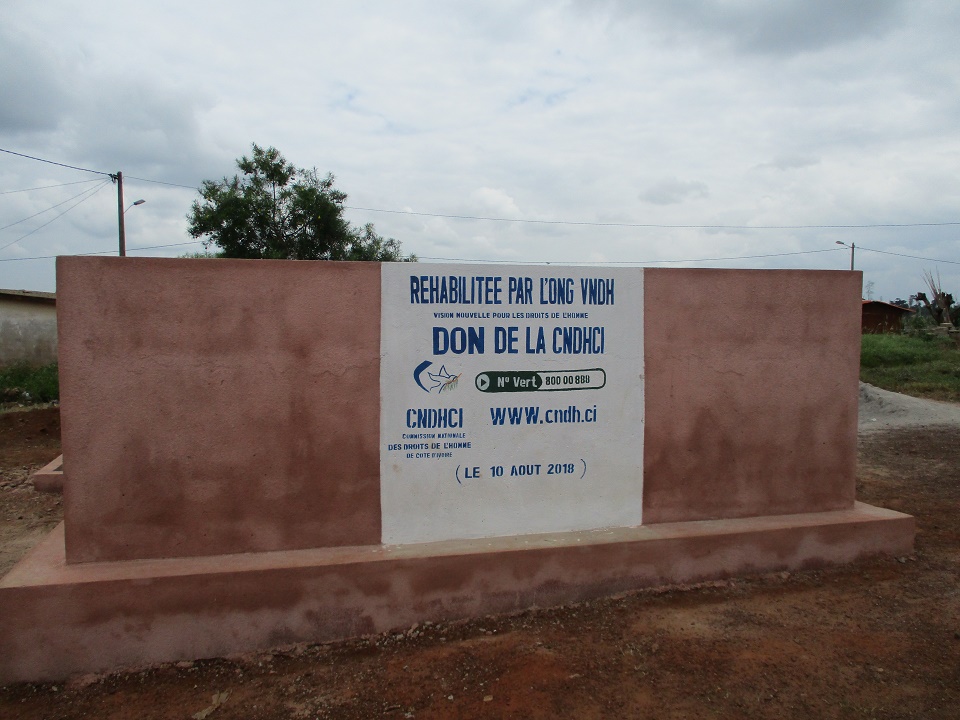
<point>123,232</point>
<point>853,249</point>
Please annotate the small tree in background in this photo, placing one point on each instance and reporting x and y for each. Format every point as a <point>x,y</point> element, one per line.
<point>939,305</point>
<point>274,210</point>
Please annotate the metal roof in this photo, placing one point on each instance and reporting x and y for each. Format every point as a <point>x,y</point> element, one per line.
<point>891,305</point>
<point>45,297</point>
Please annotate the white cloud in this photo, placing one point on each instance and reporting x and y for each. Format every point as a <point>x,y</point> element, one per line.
<point>496,202</point>
<point>689,112</point>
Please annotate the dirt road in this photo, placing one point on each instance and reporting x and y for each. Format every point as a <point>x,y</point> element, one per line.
<point>879,639</point>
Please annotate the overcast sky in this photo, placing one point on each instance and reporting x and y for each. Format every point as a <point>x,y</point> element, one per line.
<point>665,112</point>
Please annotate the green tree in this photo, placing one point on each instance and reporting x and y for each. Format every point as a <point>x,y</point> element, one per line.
<point>274,210</point>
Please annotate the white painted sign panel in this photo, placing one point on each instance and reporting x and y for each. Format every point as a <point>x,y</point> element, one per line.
<point>511,400</point>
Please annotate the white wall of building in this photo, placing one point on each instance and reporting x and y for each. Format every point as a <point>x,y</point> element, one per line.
<point>28,330</point>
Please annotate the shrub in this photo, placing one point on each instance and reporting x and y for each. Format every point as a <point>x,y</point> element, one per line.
<point>25,383</point>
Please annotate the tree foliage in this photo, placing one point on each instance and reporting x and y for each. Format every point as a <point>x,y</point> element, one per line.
<point>274,210</point>
<point>939,306</point>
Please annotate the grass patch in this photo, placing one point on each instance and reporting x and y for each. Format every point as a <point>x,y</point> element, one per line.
<point>919,365</point>
<point>24,383</point>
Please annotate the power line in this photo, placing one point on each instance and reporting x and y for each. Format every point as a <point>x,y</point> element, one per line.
<point>630,262</point>
<point>89,194</point>
<point>98,172</point>
<point>51,162</point>
<point>159,182</point>
<point>50,208</point>
<point>915,257</point>
<point>542,262</point>
<point>155,247</point>
<point>101,252</point>
<point>659,226</point>
<point>512,262</point>
<point>46,187</point>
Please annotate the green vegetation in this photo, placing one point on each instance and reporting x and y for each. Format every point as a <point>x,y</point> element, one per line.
<point>924,365</point>
<point>274,210</point>
<point>24,383</point>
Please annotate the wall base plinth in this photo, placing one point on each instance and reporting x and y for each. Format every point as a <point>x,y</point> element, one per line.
<point>58,619</point>
<point>49,478</point>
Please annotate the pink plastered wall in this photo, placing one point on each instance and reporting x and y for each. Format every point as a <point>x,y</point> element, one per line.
<point>218,406</point>
<point>751,392</point>
<point>228,406</point>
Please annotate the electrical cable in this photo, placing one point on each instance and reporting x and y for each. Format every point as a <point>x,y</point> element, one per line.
<point>98,172</point>
<point>551,262</point>
<point>89,194</point>
<point>51,162</point>
<point>628,262</point>
<point>659,226</point>
<point>159,182</point>
<point>46,187</point>
<point>512,262</point>
<point>915,257</point>
<point>102,252</point>
<point>662,226</point>
<point>155,247</point>
<point>48,209</point>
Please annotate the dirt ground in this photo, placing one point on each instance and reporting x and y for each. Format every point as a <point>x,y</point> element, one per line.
<point>878,639</point>
<point>28,441</point>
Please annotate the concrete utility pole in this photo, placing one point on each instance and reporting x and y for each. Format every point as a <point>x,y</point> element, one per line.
<point>853,249</point>
<point>118,178</point>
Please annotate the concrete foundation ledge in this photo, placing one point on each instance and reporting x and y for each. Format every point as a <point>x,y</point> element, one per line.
<point>49,478</point>
<point>56,620</point>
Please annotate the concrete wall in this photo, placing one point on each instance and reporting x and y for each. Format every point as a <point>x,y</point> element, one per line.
<point>752,410</point>
<point>28,331</point>
<point>218,406</point>
<point>233,406</point>
<point>58,619</point>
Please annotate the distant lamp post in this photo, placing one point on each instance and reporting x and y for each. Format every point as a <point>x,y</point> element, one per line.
<point>853,249</point>
<point>123,230</point>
